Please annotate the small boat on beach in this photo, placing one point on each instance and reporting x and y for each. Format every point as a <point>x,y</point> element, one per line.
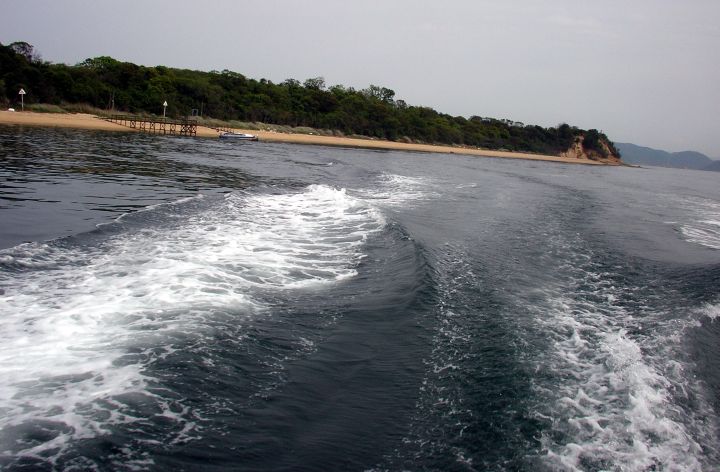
<point>238,136</point>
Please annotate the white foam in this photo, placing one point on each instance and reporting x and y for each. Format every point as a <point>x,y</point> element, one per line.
<point>616,406</point>
<point>704,225</point>
<point>300,240</point>
<point>393,190</point>
<point>711,311</point>
<point>72,316</point>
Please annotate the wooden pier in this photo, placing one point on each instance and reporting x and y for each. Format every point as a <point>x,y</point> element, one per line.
<point>181,127</point>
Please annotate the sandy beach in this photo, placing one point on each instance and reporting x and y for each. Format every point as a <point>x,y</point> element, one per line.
<point>87,121</point>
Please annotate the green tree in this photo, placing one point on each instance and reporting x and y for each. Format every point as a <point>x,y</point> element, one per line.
<point>26,50</point>
<point>591,140</point>
<point>317,83</point>
<point>373,111</point>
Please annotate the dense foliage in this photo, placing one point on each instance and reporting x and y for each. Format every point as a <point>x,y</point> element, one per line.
<point>106,83</point>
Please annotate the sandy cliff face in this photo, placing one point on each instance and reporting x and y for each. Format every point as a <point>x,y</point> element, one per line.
<point>578,151</point>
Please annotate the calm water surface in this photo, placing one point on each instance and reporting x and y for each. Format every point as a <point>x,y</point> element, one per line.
<point>180,304</point>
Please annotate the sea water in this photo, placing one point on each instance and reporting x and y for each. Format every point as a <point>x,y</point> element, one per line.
<point>187,304</point>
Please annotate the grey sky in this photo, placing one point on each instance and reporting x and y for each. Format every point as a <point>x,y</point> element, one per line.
<point>643,71</point>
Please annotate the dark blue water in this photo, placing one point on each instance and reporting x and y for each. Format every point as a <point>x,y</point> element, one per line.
<point>181,304</point>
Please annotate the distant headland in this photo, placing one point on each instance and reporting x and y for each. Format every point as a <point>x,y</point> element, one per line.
<point>290,111</point>
<point>645,156</point>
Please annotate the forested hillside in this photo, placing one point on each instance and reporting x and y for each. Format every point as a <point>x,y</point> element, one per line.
<point>106,83</point>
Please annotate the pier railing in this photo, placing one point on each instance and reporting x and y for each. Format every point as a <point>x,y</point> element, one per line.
<point>181,127</point>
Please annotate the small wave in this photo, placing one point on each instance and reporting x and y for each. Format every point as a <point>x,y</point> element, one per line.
<point>83,324</point>
<point>620,384</point>
<point>711,311</point>
<point>704,229</point>
<point>301,239</point>
<point>157,206</point>
<point>36,256</point>
<point>399,191</point>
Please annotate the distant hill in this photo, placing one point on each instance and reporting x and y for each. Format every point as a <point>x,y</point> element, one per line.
<point>714,166</point>
<point>645,156</point>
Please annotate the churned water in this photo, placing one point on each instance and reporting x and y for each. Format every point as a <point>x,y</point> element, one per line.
<point>181,304</point>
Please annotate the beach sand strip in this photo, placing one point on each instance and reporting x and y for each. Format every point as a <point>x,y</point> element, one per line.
<point>92,122</point>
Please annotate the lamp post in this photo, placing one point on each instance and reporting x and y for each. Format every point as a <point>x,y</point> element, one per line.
<point>22,99</point>
<point>164,108</point>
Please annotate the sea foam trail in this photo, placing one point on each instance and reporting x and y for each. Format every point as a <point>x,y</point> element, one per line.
<point>81,324</point>
<point>393,190</point>
<point>621,391</point>
<point>704,228</point>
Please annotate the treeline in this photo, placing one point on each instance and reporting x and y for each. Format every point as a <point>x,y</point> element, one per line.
<point>106,83</point>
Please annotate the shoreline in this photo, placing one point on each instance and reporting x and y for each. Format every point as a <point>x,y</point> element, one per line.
<point>92,122</point>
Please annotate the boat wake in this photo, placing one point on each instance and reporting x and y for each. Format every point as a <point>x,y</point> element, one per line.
<point>616,385</point>
<point>86,319</point>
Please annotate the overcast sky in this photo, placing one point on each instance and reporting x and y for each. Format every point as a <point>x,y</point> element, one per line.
<point>643,71</point>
